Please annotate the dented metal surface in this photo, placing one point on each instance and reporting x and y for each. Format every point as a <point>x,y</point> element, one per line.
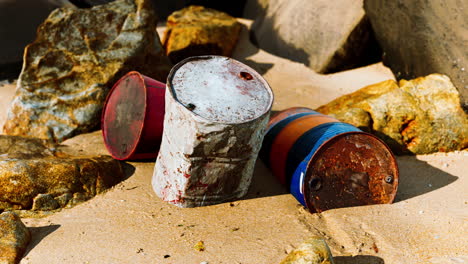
<point>328,164</point>
<point>350,169</point>
<point>216,115</point>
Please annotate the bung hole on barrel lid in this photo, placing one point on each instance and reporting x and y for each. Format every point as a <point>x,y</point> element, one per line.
<point>315,184</point>
<point>245,75</point>
<point>223,90</point>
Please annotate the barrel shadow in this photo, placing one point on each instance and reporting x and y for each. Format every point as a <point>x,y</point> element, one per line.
<point>244,49</point>
<point>128,170</point>
<point>418,177</point>
<point>264,184</point>
<point>261,68</point>
<point>363,259</point>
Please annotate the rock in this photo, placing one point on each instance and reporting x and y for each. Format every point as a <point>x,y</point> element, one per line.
<point>313,251</point>
<point>44,202</point>
<point>14,238</point>
<point>33,176</point>
<point>422,37</point>
<point>25,16</point>
<point>77,56</point>
<point>164,8</point>
<point>327,36</point>
<point>63,199</point>
<point>420,116</point>
<point>196,30</point>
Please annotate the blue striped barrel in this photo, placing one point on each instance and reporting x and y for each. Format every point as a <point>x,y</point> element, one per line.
<point>327,163</point>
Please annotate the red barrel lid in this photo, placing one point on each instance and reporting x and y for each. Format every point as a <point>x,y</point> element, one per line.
<point>124,115</point>
<point>351,169</point>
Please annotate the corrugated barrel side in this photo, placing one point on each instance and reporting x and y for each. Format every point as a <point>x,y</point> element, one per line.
<point>208,157</point>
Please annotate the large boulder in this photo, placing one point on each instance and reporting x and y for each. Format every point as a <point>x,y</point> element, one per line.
<point>196,30</point>
<point>164,8</point>
<point>37,175</point>
<point>25,16</point>
<point>77,56</point>
<point>327,36</point>
<point>420,116</point>
<point>14,238</point>
<point>421,37</point>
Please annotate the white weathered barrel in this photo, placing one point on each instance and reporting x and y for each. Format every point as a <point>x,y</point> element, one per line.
<point>217,110</point>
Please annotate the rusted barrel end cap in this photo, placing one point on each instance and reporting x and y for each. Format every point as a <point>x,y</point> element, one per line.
<point>351,169</point>
<point>196,81</point>
<point>123,116</point>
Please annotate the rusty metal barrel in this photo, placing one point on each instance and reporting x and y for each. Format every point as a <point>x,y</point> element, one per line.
<point>132,118</point>
<point>217,110</point>
<point>327,163</point>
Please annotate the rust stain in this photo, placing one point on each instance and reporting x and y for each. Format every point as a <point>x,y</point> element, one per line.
<point>368,174</point>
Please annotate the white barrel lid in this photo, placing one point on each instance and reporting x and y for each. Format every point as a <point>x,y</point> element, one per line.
<point>220,89</point>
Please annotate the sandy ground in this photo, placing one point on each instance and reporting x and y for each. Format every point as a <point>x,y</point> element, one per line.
<point>130,224</point>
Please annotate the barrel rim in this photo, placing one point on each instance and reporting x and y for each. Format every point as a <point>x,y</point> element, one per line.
<point>142,124</point>
<point>276,118</point>
<point>174,69</point>
<point>307,199</point>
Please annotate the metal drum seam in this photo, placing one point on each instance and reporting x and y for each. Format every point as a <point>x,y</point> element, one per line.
<point>330,132</point>
<point>288,136</point>
<point>271,134</point>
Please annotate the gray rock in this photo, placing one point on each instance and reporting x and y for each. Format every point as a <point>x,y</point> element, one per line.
<point>422,37</point>
<point>326,35</point>
<point>50,178</point>
<point>77,56</point>
<point>14,238</point>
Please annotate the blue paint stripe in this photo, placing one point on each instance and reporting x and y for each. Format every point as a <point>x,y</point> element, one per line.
<point>315,138</point>
<point>303,146</point>
<point>273,131</point>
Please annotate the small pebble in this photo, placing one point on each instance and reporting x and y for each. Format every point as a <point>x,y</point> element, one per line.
<point>199,246</point>
<point>421,212</point>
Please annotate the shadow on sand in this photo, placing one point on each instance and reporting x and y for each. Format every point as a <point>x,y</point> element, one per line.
<point>264,184</point>
<point>128,170</point>
<point>37,234</point>
<point>364,259</point>
<point>417,177</point>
